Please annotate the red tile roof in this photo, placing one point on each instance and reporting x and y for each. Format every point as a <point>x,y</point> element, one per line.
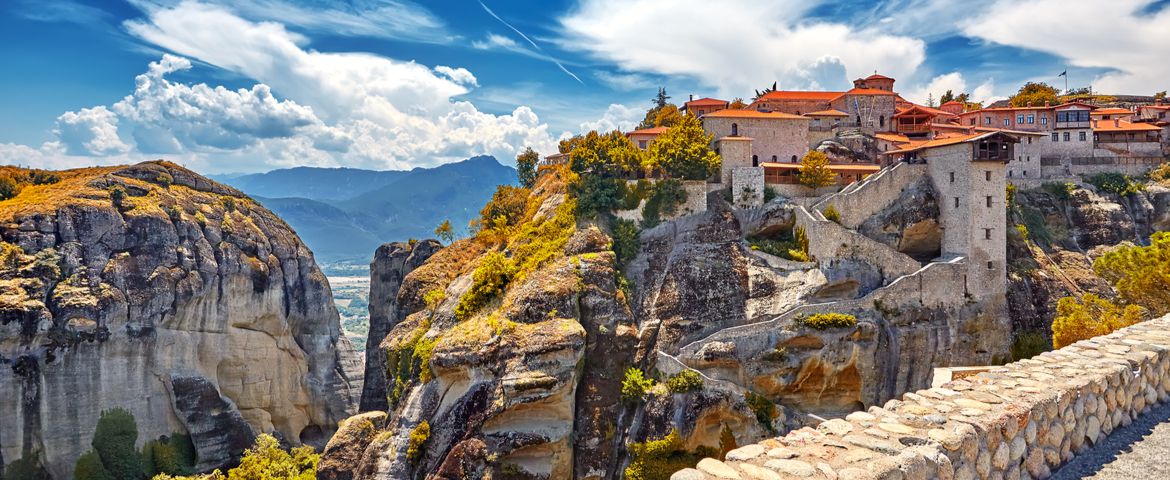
<point>1112,111</point>
<point>827,113</point>
<point>707,101</point>
<point>952,102</point>
<point>799,95</point>
<point>1122,126</point>
<point>868,91</point>
<point>648,131</point>
<point>736,113</point>
<point>878,77</point>
<point>941,142</point>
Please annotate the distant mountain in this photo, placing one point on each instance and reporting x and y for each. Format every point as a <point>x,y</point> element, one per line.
<point>343,214</point>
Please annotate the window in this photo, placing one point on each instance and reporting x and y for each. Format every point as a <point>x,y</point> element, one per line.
<point>1029,140</point>
<point>987,234</point>
<point>1020,118</point>
<point>1009,173</point>
<point>987,175</point>
<point>1031,119</point>
<point>1028,158</point>
<point>989,201</point>
<point>987,120</point>
<point>1007,122</point>
<point>735,129</point>
<point>956,202</point>
<point>1096,137</point>
<point>1066,137</point>
<point>882,121</point>
<point>642,144</point>
<point>1082,135</point>
<point>794,160</point>
<point>773,158</point>
<point>1055,137</point>
<point>755,160</point>
<point>972,120</point>
<point>1025,173</point>
<point>952,177</point>
<point>1044,120</point>
<point>991,265</point>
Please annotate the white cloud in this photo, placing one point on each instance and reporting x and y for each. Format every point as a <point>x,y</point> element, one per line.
<point>1122,36</point>
<point>458,75</point>
<point>736,46</point>
<point>953,81</point>
<point>493,41</point>
<point>337,109</point>
<point>616,117</point>
<point>624,81</point>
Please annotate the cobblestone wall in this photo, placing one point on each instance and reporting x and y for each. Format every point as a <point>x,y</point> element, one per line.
<point>1019,421</point>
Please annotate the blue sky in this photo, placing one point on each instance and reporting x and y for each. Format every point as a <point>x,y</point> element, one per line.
<point>251,85</point>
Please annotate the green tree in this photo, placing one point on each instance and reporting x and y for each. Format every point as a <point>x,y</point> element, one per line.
<point>445,232</point>
<point>8,187</point>
<point>684,151</point>
<point>267,461</point>
<point>947,96</point>
<point>1035,94</point>
<point>1141,275</point>
<point>625,240</point>
<point>89,467</point>
<point>24,468</point>
<point>1089,317</point>
<point>737,104</point>
<point>606,155</point>
<point>506,209</point>
<point>1160,95</point>
<point>635,385</point>
<point>114,443</point>
<point>814,170</point>
<point>526,167</point>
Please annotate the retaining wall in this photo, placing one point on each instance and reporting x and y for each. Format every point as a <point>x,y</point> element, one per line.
<point>860,201</point>
<point>1021,420</point>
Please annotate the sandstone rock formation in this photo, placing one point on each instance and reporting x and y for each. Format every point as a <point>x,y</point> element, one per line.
<point>156,290</point>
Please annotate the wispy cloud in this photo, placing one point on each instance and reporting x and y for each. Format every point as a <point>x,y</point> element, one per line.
<point>530,42</point>
<point>624,81</point>
<point>60,11</point>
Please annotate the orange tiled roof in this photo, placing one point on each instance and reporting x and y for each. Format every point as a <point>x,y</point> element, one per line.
<point>1112,111</point>
<point>744,113</point>
<point>827,113</point>
<point>1157,107</point>
<point>1123,126</point>
<point>799,95</point>
<point>836,167</point>
<point>939,142</point>
<point>707,101</point>
<point>952,102</point>
<point>892,137</point>
<point>930,110</point>
<point>868,91</point>
<point>648,131</point>
<point>878,77</point>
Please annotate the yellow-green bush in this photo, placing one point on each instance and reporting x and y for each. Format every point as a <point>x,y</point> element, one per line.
<point>635,385</point>
<point>684,381</point>
<point>764,409</point>
<point>267,461</point>
<point>1089,317</point>
<point>490,279</point>
<point>418,441</point>
<point>659,459</point>
<point>1141,275</point>
<point>831,214</point>
<point>825,321</point>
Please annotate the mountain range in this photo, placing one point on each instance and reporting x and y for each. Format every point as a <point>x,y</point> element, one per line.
<point>344,214</point>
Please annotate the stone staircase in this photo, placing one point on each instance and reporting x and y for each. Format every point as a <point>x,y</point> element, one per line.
<point>861,200</point>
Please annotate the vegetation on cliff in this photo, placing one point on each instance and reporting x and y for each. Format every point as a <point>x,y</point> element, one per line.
<point>265,460</point>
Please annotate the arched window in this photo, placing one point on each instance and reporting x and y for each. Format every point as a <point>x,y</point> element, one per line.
<point>735,129</point>
<point>882,121</point>
<point>755,160</point>
<point>794,159</point>
<point>773,158</point>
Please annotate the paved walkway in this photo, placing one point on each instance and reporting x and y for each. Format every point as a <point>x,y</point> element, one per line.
<point>1139,451</point>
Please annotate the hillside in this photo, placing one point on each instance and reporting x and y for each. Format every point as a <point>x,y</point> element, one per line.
<point>152,289</point>
<point>345,214</point>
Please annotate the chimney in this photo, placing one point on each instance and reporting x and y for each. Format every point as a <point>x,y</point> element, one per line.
<point>692,97</point>
<point>1029,104</point>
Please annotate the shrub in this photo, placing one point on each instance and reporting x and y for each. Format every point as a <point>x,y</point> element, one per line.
<point>1089,317</point>
<point>164,179</point>
<point>1161,174</point>
<point>1062,191</point>
<point>632,196</point>
<point>635,385</point>
<point>118,196</point>
<point>659,459</point>
<point>174,455</point>
<point>89,467</point>
<point>825,321</point>
<point>505,209</point>
<point>267,461</point>
<point>764,409</point>
<point>25,468</point>
<point>201,219</point>
<point>490,279</point>
<point>769,193</point>
<point>1115,182</point>
<point>597,195</point>
<point>785,245</point>
<point>418,441</point>
<point>664,201</point>
<point>1011,195</point>
<point>1030,344</point>
<point>41,177</point>
<point>814,170</point>
<point>625,240</point>
<point>114,443</point>
<point>229,204</point>
<point>8,187</point>
<point>1141,275</point>
<point>832,215</point>
<point>684,381</point>
<point>422,357</point>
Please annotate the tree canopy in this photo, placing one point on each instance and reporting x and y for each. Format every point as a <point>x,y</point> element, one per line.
<point>814,170</point>
<point>608,154</point>
<point>526,167</point>
<point>1141,275</point>
<point>1035,94</point>
<point>1089,317</point>
<point>684,151</point>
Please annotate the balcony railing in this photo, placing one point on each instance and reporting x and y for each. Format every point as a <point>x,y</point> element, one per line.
<point>1084,124</point>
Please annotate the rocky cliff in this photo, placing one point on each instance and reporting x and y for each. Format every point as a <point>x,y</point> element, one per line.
<point>529,382</point>
<point>154,289</point>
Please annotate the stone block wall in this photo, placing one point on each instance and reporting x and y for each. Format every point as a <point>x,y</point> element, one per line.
<point>864,199</point>
<point>829,243</point>
<point>1021,420</point>
<point>747,187</point>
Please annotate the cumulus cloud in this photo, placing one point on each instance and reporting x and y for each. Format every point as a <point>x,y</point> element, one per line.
<point>736,46</point>
<point>1125,37</point>
<point>953,81</point>
<point>616,117</point>
<point>624,81</point>
<point>334,108</point>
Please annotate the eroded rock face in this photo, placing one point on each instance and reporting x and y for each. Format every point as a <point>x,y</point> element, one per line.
<point>392,262</point>
<point>153,289</point>
<point>910,225</point>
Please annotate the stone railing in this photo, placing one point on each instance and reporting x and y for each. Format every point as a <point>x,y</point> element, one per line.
<point>862,200</point>
<point>1021,420</point>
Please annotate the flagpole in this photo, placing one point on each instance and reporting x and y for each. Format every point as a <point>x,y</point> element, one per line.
<point>1066,80</point>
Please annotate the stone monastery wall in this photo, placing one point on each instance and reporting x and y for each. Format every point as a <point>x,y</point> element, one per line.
<point>1021,420</point>
<point>862,200</point>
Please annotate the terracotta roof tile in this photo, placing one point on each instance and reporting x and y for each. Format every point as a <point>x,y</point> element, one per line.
<point>707,101</point>
<point>736,113</point>
<point>648,131</point>
<point>1123,126</point>
<point>799,95</point>
<point>827,113</point>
